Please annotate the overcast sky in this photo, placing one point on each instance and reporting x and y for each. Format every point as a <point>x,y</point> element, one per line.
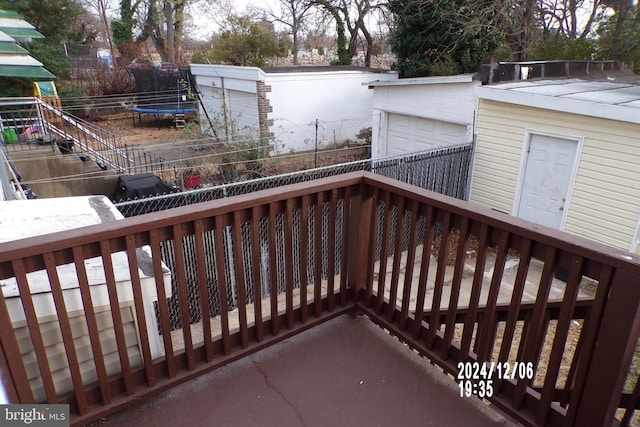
<point>205,17</point>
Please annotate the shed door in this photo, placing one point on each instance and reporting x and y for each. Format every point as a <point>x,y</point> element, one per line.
<point>547,178</point>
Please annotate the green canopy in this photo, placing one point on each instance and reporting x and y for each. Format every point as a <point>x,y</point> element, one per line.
<point>22,33</point>
<point>26,72</point>
<point>12,47</point>
<point>16,27</point>
<point>15,61</point>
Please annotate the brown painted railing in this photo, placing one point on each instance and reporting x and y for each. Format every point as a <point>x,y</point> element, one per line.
<point>454,281</point>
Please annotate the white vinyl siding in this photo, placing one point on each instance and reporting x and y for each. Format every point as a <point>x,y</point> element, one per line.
<point>496,160</point>
<point>605,202</point>
<point>56,353</point>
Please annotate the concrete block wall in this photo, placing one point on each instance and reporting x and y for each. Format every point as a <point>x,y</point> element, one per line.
<point>62,175</point>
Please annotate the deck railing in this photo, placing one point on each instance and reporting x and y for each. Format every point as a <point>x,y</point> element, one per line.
<point>456,282</point>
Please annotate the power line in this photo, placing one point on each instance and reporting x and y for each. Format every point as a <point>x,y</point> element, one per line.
<point>192,143</point>
<point>100,175</point>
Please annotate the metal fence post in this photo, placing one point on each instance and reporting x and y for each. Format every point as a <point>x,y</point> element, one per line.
<point>612,353</point>
<point>127,158</point>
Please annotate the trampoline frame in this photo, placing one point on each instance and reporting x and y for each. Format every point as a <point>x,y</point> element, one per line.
<point>157,112</point>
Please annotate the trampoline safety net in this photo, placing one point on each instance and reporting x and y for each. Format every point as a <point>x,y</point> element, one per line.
<point>164,90</point>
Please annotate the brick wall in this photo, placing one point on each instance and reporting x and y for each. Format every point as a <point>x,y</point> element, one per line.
<point>264,109</point>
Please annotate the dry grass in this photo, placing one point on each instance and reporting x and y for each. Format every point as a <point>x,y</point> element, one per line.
<point>187,148</point>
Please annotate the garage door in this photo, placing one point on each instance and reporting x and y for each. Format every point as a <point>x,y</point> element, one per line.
<point>408,134</point>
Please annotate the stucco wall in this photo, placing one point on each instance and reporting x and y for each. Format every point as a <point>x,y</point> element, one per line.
<point>336,98</point>
<point>605,202</point>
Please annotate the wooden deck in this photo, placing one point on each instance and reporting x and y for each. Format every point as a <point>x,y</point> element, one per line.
<point>345,372</point>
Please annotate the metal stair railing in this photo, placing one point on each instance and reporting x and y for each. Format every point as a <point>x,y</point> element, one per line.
<point>108,149</point>
<point>10,186</point>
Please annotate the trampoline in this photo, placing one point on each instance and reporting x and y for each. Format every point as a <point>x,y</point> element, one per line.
<point>161,109</point>
<point>164,91</point>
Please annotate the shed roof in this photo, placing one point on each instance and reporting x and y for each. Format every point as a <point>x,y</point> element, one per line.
<point>460,78</point>
<point>322,69</point>
<point>259,73</point>
<point>614,98</point>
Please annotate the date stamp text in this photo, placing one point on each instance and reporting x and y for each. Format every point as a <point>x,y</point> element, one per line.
<point>477,378</point>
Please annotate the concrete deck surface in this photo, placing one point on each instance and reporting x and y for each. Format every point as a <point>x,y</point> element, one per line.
<point>346,372</point>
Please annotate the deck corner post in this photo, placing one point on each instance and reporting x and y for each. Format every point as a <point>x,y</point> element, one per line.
<point>360,239</point>
<point>611,356</point>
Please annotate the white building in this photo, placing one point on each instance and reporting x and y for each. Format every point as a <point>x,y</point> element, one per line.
<point>291,107</point>
<point>413,115</point>
<point>563,153</point>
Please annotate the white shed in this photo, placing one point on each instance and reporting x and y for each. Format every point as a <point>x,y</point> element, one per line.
<point>562,153</point>
<point>412,115</point>
<point>288,105</point>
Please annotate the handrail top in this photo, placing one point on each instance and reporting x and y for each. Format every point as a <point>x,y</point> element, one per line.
<point>146,222</point>
<point>615,257</point>
<point>535,232</point>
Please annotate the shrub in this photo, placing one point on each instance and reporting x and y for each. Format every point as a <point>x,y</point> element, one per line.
<point>111,81</point>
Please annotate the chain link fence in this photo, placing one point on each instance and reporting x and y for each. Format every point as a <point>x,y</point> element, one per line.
<point>319,134</point>
<point>222,156</point>
<point>443,170</point>
<point>299,229</point>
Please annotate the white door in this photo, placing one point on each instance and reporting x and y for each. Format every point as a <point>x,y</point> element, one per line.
<point>547,179</point>
<point>409,134</point>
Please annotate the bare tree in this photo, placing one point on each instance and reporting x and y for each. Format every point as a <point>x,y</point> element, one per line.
<point>102,7</point>
<point>523,24</point>
<point>164,25</point>
<point>571,18</point>
<point>317,32</point>
<point>215,12</point>
<point>291,14</point>
<point>353,14</point>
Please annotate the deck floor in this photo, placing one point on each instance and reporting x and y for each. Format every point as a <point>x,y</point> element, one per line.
<point>344,372</point>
